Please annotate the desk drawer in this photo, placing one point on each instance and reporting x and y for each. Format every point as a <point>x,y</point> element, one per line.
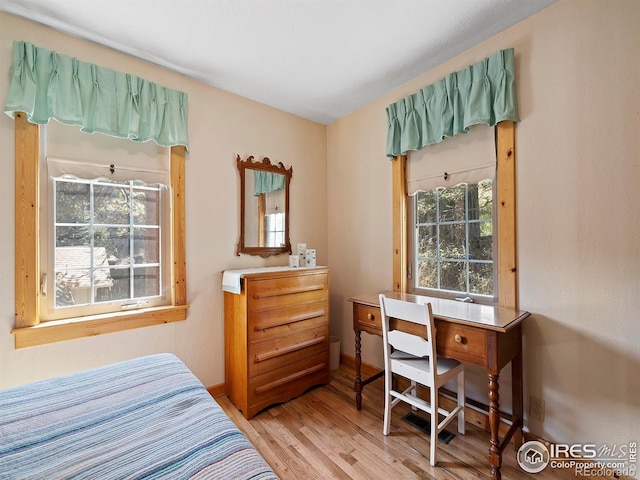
<point>278,352</point>
<point>467,344</point>
<point>368,319</point>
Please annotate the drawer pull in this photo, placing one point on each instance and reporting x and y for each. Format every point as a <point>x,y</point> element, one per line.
<point>371,316</point>
<point>289,349</point>
<point>278,322</point>
<point>290,378</point>
<point>459,338</point>
<point>287,291</point>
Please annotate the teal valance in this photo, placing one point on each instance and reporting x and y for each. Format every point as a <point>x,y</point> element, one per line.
<point>45,85</point>
<point>265,182</point>
<point>481,93</point>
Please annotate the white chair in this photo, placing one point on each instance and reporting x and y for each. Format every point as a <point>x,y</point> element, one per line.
<point>414,358</point>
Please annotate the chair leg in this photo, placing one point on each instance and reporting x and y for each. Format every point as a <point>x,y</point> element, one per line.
<point>461,402</point>
<point>414,392</point>
<point>434,425</point>
<point>387,403</point>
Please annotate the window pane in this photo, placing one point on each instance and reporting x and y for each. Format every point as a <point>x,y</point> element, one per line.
<point>64,286</point>
<point>115,241</point>
<point>451,203</point>
<point>111,204</point>
<point>121,278</point>
<point>73,258</point>
<point>454,231</point>
<point>481,278</point>
<point>146,282</point>
<point>145,207</point>
<point>426,207</point>
<point>99,255</point>
<point>73,287</point>
<point>453,276</point>
<point>102,279</point>
<point>72,236</point>
<point>452,241</point>
<point>72,202</point>
<point>480,241</point>
<point>146,245</point>
<point>427,242</point>
<point>427,274</point>
<point>485,199</point>
<point>279,218</point>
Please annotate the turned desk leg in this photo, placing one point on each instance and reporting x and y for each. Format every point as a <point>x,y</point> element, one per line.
<point>495,455</point>
<point>358,382</point>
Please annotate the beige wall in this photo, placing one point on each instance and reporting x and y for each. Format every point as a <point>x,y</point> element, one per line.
<point>221,125</point>
<point>578,180</point>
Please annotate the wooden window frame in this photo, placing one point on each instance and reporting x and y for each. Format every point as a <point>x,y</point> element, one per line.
<point>28,330</point>
<point>505,222</point>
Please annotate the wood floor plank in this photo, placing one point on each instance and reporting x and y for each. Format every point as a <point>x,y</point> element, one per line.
<point>320,435</point>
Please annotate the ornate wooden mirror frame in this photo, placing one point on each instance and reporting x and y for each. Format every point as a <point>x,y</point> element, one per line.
<point>245,245</point>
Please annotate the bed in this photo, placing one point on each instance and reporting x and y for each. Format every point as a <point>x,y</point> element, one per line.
<point>146,418</point>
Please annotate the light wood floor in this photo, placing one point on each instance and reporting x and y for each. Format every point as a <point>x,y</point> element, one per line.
<point>320,435</point>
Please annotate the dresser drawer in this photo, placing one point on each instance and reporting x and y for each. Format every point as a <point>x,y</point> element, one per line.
<point>281,351</point>
<point>265,294</point>
<point>461,342</point>
<point>287,382</point>
<point>279,322</point>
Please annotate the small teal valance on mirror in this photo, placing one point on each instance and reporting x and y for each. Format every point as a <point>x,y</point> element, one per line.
<point>481,93</point>
<point>45,85</point>
<point>265,182</point>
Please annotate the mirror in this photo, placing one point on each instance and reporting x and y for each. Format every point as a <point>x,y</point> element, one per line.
<point>264,207</point>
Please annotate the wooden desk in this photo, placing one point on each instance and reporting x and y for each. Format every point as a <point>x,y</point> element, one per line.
<point>483,335</point>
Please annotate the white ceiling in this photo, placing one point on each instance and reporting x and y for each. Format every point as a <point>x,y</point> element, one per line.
<point>319,59</point>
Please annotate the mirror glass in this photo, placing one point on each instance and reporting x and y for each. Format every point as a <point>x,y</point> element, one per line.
<point>264,207</point>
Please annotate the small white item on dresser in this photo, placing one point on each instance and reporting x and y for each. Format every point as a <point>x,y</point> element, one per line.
<point>294,260</point>
<point>302,248</point>
<point>310,257</point>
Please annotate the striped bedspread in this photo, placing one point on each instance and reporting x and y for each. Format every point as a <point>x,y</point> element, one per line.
<point>147,418</point>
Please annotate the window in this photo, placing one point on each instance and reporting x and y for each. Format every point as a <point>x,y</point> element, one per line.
<point>452,238</point>
<point>34,209</point>
<point>275,229</point>
<point>504,221</point>
<point>107,240</point>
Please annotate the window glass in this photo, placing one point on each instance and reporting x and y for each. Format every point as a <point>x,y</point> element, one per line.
<point>275,229</point>
<point>453,241</point>
<point>108,243</point>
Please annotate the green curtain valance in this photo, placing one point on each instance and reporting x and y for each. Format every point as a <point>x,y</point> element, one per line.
<point>481,93</point>
<point>45,84</point>
<point>265,182</point>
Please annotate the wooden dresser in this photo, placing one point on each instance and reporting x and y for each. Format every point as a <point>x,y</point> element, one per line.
<point>276,336</point>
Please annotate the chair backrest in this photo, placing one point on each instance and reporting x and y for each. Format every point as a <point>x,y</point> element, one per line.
<point>418,345</point>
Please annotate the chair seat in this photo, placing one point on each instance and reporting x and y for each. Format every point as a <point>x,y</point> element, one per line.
<point>443,365</point>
